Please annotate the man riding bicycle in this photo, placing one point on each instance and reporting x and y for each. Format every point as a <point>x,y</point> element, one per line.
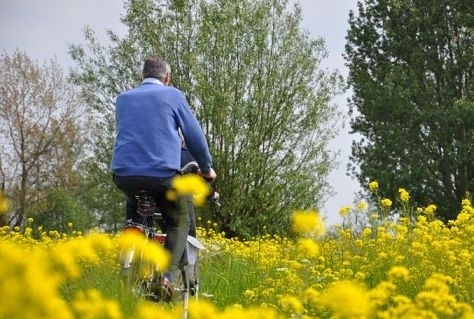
<point>147,150</point>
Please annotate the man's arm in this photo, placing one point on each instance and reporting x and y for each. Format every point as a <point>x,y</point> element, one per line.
<point>195,139</point>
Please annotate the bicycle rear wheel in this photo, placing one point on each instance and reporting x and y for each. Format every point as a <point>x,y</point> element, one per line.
<point>138,275</point>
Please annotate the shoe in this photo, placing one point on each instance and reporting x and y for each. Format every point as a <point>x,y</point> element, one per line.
<point>167,290</point>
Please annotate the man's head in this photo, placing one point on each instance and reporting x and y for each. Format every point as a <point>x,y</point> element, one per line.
<point>158,68</point>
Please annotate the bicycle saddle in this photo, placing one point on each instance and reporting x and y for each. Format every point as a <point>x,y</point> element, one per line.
<point>146,204</point>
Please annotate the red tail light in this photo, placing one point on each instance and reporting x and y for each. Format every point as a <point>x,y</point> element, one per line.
<point>133,229</point>
<point>160,238</point>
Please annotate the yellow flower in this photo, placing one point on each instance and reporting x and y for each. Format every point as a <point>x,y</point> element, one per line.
<point>344,211</point>
<point>310,296</point>
<point>381,294</point>
<point>385,202</point>
<point>398,273</point>
<point>26,279</point>
<point>404,195</point>
<point>307,222</point>
<point>292,304</point>
<point>91,304</point>
<point>189,185</point>
<point>360,276</point>
<point>466,202</point>
<point>249,294</point>
<point>373,186</point>
<point>150,310</point>
<point>366,232</point>
<point>202,309</point>
<point>308,247</point>
<point>430,209</point>
<point>362,205</point>
<point>347,300</point>
<point>149,250</point>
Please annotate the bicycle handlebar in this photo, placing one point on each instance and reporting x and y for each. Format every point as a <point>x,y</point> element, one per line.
<point>191,167</point>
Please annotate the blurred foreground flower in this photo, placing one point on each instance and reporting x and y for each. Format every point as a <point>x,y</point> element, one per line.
<point>307,222</point>
<point>309,247</point>
<point>347,300</point>
<point>189,185</point>
<point>149,250</point>
<point>292,304</point>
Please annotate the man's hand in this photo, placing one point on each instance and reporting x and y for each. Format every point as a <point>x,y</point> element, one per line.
<point>210,176</point>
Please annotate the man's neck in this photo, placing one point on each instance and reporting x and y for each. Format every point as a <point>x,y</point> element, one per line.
<point>152,80</point>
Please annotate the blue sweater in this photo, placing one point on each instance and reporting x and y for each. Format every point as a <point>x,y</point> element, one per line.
<point>147,141</point>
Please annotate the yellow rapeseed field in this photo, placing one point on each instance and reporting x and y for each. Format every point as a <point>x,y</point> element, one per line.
<point>414,267</point>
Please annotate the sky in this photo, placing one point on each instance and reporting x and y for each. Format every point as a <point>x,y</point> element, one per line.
<point>44,29</point>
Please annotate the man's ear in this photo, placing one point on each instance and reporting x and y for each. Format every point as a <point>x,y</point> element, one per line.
<point>167,78</point>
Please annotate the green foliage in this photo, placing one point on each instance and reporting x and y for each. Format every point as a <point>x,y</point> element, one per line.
<point>411,67</point>
<point>59,210</point>
<point>253,78</point>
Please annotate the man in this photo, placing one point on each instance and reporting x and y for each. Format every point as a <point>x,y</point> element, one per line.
<point>147,150</point>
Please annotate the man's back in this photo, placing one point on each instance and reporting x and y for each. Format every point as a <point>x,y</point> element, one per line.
<point>147,141</point>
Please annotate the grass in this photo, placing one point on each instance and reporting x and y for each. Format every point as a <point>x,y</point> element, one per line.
<point>226,278</point>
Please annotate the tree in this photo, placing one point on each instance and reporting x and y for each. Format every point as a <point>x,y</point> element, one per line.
<point>254,80</point>
<point>42,148</point>
<point>411,65</point>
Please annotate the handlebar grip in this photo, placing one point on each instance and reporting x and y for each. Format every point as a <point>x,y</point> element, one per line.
<point>209,180</point>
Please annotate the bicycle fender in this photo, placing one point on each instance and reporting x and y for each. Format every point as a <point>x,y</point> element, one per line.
<point>195,242</point>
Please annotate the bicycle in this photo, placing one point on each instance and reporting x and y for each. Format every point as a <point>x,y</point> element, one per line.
<point>144,279</point>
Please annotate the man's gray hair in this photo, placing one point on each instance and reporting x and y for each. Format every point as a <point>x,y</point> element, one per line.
<point>155,67</point>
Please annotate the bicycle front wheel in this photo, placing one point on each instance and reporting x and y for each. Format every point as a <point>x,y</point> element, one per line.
<point>181,285</point>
